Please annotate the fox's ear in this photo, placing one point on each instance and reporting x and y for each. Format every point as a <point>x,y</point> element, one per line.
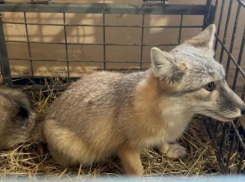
<point>205,39</point>
<point>165,66</point>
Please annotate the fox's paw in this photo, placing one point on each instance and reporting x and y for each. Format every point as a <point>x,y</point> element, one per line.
<point>173,150</point>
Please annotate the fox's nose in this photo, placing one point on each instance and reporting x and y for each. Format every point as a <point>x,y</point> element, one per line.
<point>243,110</point>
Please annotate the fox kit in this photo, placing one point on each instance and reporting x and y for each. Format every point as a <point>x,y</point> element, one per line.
<point>17,120</point>
<point>105,112</point>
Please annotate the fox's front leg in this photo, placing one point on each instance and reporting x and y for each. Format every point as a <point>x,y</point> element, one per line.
<point>131,161</point>
<point>173,150</point>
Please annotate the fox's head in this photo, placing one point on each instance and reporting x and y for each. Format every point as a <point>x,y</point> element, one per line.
<point>15,111</point>
<point>199,80</point>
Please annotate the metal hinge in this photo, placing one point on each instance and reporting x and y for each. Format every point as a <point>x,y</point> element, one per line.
<point>157,2</point>
<point>40,1</point>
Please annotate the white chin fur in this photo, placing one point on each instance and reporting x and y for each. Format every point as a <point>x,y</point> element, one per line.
<point>225,119</point>
<point>222,118</point>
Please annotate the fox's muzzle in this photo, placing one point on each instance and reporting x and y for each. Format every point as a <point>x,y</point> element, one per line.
<point>230,101</point>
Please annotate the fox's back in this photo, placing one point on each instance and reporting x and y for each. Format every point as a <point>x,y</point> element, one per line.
<point>94,93</point>
<point>92,105</point>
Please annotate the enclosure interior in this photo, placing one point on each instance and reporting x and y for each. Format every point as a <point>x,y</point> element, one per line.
<point>46,46</point>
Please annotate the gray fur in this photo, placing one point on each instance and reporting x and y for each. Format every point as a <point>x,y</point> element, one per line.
<point>201,67</point>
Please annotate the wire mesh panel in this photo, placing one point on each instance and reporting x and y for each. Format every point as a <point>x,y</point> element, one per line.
<point>229,138</point>
<point>109,37</point>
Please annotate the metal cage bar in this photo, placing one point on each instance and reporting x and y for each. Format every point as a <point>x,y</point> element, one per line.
<point>233,38</point>
<point>226,29</point>
<point>5,67</point>
<point>66,46</point>
<point>142,41</point>
<point>233,137</point>
<point>104,43</point>
<point>104,8</point>
<point>29,45</point>
<point>206,19</point>
<point>219,24</point>
<point>240,163</point>
<point>216,146</point>
<point>180,28</point>
<point>239,60</point>
<point>88,25</point>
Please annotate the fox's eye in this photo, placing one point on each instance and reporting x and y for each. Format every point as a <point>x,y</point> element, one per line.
<point>209,86</point>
